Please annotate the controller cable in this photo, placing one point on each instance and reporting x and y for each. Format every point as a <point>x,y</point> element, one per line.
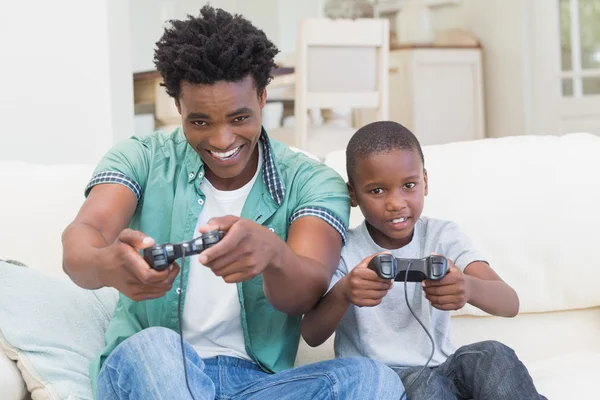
<point>187,383</point>
<point>179,290</point>
<point>422,326</point>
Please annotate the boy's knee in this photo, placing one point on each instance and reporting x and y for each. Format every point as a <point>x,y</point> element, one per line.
<point>489,349</point>
<point>496,352</point>
<point>496,348</point>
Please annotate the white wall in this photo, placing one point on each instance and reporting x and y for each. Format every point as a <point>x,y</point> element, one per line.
<point>290,12</point>
<point>120,70</point>
<point>66,93</point>
<point>277,18</point>
<point>501,26</point>
<point>521,67</point>
<point>146,26</point>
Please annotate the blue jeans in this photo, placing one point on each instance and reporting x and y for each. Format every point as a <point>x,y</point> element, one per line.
<point>149,365</point>
<point>482,371</point>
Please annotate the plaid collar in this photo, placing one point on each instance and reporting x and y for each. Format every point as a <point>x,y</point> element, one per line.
<point>271,176</point>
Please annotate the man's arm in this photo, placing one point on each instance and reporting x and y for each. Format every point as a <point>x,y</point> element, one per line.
<point>99,251</point>
<point>295,281</point>
<point>489,292</point>
<point>104,214</point>
<point>296,273</point>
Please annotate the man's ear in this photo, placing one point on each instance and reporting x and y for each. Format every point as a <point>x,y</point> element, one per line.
<point>352,193</point>
<point>426,182</point>
<point>262,98</point>
<point>178,105</point>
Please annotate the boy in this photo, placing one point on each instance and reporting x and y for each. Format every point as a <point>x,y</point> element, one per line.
<point>388,181</point>
<point>238,305</point>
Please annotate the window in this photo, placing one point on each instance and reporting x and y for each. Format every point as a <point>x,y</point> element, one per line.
<point>580,47</point>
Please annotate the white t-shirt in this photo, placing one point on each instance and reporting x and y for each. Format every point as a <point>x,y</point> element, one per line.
<point>388,332</point>
<point>211,316</point>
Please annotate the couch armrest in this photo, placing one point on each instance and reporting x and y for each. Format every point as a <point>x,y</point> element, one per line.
<point>12,386</point>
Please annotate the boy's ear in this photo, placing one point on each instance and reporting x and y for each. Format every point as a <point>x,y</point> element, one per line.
<point>353,201</point>
<point>426,183</point>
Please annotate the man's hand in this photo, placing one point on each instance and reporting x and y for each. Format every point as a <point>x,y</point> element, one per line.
<point>245,251</point>
<point>127,271</point>
<point>451,292</point>
<point>363,287</point>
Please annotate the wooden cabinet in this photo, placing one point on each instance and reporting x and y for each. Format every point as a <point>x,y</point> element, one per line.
<point>437,93</point>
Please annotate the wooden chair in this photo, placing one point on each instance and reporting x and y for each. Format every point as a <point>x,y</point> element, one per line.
<point>340,63</point>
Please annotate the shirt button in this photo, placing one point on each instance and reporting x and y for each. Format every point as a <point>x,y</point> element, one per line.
<point>272,230</point>
<point>191,175</point>
<point>200,201</point>
<point>200,174</point>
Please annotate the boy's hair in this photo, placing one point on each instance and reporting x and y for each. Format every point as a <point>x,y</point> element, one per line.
<point>215,46</point>
<point>379,137</point>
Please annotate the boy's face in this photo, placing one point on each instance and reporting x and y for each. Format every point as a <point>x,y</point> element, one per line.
<point>390,189</point>
<point>222,122</point>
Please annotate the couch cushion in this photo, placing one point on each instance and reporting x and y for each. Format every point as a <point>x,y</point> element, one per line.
<point>534,336</point>
<point>530,204</point>
<point>52,328</point>
<point>38,202</point>
<point>567,377</point>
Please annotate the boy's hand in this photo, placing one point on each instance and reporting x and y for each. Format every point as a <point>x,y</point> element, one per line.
<point>451,292</point>
<point>363,287</point>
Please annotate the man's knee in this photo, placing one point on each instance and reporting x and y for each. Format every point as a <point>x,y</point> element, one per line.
<point>141,365</point>
<point>389,381</point>
<point>156,334</point>
<point>377,377</point>
<point>155,342</point>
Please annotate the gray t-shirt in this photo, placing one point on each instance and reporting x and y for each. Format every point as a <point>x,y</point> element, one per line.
<point>388,332</point>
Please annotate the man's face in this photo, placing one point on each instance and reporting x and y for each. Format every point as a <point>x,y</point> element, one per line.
<point>222,122</point>
<point>390,189</point>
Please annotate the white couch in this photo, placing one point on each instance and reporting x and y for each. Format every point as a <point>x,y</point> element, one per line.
<point>531,204</point>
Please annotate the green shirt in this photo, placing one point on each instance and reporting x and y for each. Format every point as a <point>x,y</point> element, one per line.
<point>165,173</point>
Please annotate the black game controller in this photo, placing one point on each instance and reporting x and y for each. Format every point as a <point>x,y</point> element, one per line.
<point>389,267</point>
<point>160,256</point>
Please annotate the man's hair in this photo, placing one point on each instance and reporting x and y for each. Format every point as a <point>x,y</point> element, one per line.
<point>379,137</point>
<point>215,46</point>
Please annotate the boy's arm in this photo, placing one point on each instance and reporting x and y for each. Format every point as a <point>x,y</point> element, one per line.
<point>479,286</point>
<point>361,287</point>
<point>469,279</point>
<point>321,322</point>
<point>488,292</point>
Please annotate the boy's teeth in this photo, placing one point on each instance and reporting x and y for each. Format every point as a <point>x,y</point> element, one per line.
<point>225,155</point>
<point>398,220</point>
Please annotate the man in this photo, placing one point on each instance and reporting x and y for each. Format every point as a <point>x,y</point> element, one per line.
<point>284,215</point>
